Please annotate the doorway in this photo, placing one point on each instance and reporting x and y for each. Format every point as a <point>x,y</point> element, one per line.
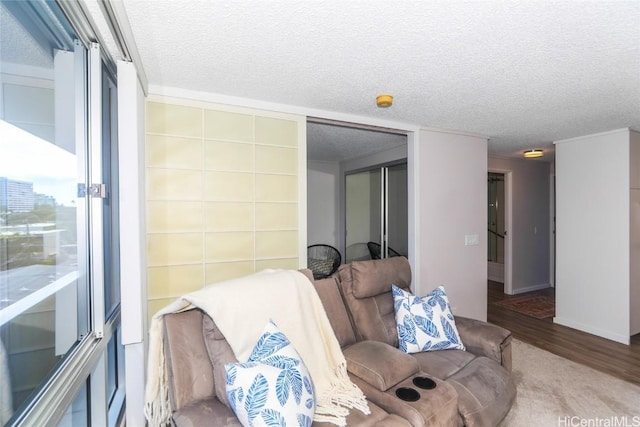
<point>499,248</point>
<point>376,213</point>
<point>495,227</point>
<point>336,150</point>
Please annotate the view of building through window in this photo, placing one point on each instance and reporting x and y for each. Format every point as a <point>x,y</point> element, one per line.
<point>49,290</point>
<point>38,218</point>
<point>37,203</point>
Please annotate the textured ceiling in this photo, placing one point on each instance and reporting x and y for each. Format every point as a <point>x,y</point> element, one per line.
<point>523,73</point>
<point>17,45</point>
<point>330,143</point>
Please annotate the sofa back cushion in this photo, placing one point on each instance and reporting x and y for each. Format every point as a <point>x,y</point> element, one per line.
<point>336,312</point>
<point>366,290</point>
<point>190,373</point>
<point>220,353</point>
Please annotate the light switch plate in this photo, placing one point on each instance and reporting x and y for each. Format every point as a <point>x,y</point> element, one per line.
<point>471,239</point>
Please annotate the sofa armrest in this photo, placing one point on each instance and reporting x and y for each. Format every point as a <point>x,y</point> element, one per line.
<point>189,369</point>
<point>486,339</point>
<point>379,364</point>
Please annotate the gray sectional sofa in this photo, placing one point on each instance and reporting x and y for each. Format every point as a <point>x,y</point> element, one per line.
<point>445,387</point>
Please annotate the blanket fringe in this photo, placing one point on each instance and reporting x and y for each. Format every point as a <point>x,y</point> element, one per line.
<point>343,396</point>
<point>157,409</point>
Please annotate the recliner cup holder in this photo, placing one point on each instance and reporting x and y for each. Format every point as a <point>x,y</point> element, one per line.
<point>425,383</point>
<point>408,394</point>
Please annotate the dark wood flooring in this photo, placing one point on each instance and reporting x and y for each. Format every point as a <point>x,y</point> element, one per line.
<point>613,358</point>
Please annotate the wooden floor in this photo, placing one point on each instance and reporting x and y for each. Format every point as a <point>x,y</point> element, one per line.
<point>616,359</point>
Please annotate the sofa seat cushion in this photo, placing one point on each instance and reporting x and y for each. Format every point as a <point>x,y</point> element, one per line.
<point>378,417</point>
<point>209,412</point>
<point>393,420</point>
<point>443,363</point>
<point>212,412</point>
<point>485,390</point>
<point>379,364</point>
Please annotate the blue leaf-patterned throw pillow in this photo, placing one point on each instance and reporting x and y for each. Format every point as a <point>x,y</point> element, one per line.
<point>273,388</point>
<point>425,324</point>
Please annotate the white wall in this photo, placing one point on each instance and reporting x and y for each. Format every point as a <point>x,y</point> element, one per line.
<point>452,190</point>
<point>132,238</point>
<point>530,227</point>
<point>635,233</point>
<point>322,202</point>
<point>592,243</point>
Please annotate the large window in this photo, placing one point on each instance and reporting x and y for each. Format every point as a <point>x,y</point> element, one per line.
<point>60,356</point>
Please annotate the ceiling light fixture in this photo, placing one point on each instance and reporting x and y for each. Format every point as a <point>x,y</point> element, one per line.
<point>384,101</point>
<point>533,153</point>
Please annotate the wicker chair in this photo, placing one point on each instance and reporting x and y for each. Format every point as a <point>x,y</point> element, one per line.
<point>323,260</point>
<point>375,250</point>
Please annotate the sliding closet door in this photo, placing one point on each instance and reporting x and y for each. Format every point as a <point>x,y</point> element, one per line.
<point>376,213</point>
<point>397,212</point>
<point>363,215</point>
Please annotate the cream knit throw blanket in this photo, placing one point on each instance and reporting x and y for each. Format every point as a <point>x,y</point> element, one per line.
<point>241,309</point>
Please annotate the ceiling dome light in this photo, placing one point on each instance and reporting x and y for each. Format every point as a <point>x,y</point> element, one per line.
<point>533,153</point>
<point>384,101</point>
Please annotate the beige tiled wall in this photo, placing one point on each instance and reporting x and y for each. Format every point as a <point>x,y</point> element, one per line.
<point>222,196</point>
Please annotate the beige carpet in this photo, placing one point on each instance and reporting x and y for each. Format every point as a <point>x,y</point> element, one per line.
<point>553,391</point>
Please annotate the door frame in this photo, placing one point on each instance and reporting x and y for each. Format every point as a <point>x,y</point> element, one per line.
<point>508,221</point>
<point>552,229</point>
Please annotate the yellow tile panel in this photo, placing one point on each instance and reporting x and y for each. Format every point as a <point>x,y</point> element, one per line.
<point>276,188</point>
<point>174,281</point>
<point>178,248</point>
<point>285,263</point>
<point>228,216</point>
<point>276,159</point>
<point>276,216</point>
<point>171,216</point>
<point>276,244</point>
<point>276,132</point>
<point>228,156</point>
<point>233,246</point>
<point>228,186</point>
<point>174,184</point>
<point>219,271</point>
<point>155,305</point>
<point>229,126</point>
<point>172,119</point>
<point>237,215</point>
<point>173,152</point>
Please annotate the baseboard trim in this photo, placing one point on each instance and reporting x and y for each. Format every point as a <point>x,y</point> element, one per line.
<point>498,279</point>
<point>591,330</point>
<point>530,288</point>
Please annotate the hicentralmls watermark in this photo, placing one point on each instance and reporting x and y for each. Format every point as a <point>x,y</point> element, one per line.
<point>614,421</point>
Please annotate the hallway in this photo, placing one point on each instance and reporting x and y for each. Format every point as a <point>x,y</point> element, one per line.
<point>598,353</point>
